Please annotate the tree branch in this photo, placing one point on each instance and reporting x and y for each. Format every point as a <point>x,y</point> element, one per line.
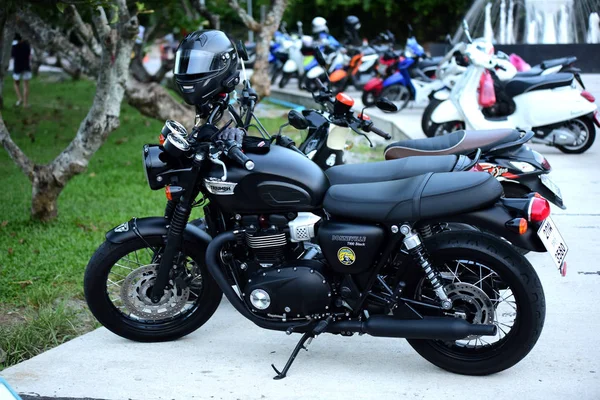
<point>213,19</point>
<point>246,19</point>
<point>15,151</point>
<point>84,31</point>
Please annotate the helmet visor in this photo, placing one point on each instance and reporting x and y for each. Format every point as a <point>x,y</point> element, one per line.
<point>199,62</point>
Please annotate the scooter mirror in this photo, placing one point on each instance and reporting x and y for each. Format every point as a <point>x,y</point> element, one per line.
<point>386,105</point>
<point>241,50</point>
<point>465,25</point>
<point>448,39</point>
<point>297,120</point>
<point>320,58</point>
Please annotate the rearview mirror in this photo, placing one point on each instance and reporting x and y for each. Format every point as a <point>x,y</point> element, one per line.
<point>241,50</point>
<point>297,120</point>
<point>386,105</point>
<point>320,58</point>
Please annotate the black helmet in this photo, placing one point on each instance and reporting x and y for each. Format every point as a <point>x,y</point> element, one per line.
<point>205,66</point>
<point>352,23</point>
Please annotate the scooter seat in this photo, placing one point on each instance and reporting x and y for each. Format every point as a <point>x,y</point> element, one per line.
<point>534,71</point>
<point>519,86</point>
<point>390,170</point>
<point>426,196</point>
<point>459,142</point>
<point>558,61</point>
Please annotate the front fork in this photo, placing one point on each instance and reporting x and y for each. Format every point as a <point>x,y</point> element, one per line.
<point>414,245</point>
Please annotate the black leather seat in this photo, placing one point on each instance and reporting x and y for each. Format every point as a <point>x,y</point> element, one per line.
<point>459,142</point>
<point>534,71</point>
<point>519,86</point>
<point>558,61</point>
<point>389,170</point>
<point>426,196</point>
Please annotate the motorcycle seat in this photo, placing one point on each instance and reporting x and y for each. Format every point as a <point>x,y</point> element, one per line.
<point>534,71</point>
<point>519,86</point>
<point>558,61</point>
<point>427,196</point>
<point>459,142</point>
<point>390,170</point>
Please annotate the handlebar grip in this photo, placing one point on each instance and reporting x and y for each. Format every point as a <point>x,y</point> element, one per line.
<point>235,154</point>
<point>381,133</point>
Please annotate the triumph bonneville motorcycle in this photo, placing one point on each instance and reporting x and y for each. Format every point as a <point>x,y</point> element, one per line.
<point>293,253</point>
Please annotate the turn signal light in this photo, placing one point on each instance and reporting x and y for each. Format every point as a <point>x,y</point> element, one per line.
<point>168,192</point>
<point>161,139</point>
<point>539,209</point>
<point>518,225</point>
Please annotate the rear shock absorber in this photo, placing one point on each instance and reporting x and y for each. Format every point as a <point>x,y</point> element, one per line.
<point>415,248</point>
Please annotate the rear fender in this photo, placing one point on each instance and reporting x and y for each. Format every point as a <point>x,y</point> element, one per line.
<point>446,111</point>
<point>154,226</point>
<point>375,84</point>
<point>493,219</point>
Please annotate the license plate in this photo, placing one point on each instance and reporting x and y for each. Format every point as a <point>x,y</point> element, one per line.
<point>554,243</point>
<point>546,181</point>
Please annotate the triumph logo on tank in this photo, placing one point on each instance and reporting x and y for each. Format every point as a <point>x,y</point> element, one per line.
<point>124,227</point>
<point>219,187</point>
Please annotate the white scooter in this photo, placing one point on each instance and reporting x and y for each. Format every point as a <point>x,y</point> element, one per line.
<point>557,111</point>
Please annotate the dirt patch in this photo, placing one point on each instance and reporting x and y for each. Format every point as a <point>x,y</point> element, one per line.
<point>10,315</point>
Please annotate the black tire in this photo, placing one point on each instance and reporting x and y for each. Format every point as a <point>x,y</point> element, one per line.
<point>285,78</point>
<point>426,118</point>
<point>105,311</point>
<point>517,274</point>
<point>369,98</point>
<point>444,128</point>
<point>275,72</point>
<point>590,136</point>
<point>311,84</point>
<point>399,94</point>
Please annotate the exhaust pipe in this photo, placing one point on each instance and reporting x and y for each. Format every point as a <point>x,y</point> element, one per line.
<point>436,328</point>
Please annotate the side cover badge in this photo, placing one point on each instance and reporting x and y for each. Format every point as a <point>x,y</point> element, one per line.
<point>346,255</point>
<point>124,227</point>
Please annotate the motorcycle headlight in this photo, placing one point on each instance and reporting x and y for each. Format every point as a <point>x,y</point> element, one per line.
<point>155,163</point>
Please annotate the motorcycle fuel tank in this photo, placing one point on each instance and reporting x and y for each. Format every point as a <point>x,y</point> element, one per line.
<point>282,180</point>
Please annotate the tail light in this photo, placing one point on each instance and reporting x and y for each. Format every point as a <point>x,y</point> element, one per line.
<point>476,168</point>
<point>588,96</point>
<point>539,209</point>
<point>546,165</point>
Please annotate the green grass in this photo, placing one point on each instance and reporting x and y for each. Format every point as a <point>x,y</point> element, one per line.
<point>42,264</point>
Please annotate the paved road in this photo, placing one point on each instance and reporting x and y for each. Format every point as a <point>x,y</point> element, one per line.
<point>229,358</point>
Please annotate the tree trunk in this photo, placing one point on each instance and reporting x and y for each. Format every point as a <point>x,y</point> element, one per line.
<point>261,81</point>
<point>45,192</point>
<point>153,100</point>
<point>7,32</point>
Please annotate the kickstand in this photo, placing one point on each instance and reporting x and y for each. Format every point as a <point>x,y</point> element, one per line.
<point>299,346</point>
<point>317,330</point>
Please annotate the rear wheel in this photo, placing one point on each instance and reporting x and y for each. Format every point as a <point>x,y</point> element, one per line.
<point>490,283</point>
<point>399,94</point>
<point>444,128</point>
<point>585,132</point>
<point>119,279</point>
<point>426,118</point>
<point>369,98</point>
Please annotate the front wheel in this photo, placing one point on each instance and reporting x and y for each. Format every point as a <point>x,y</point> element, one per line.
<point>426,118</point>
<point>584,130</point>
<point>119,279</point>
<point>285,78</point>
<point>488,282</point>
<point>399,94</point>
<point>444,128</point>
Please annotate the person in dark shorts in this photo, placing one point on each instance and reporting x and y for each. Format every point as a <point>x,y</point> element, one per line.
<point>21,53</point>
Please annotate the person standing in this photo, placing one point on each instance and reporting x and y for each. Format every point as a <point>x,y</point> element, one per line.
<point>21,53</point>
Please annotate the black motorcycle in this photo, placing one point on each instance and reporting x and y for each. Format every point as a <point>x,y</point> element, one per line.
<point>294,253</point>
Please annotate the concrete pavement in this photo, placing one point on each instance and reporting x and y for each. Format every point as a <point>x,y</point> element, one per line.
<point>229,358</point>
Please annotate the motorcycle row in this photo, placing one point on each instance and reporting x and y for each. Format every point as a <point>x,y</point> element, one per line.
<point>471,87</point>
<point>427,245</point>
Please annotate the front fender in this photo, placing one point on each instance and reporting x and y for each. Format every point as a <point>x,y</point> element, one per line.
<point>153,226</point>
<point>493,219</point>
<point>445,112</point>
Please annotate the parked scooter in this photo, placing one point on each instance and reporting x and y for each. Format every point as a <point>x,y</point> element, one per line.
<point>560,114</point>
